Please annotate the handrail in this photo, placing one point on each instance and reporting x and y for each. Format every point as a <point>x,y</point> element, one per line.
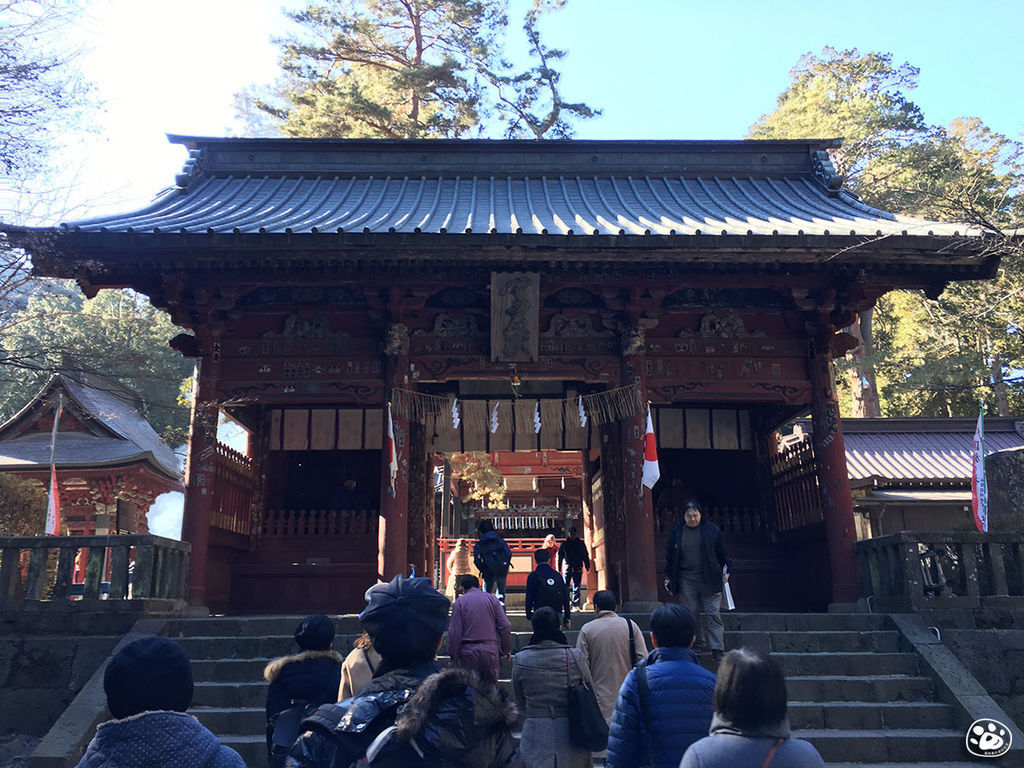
<point>131,567</point>
<point>914,570</point>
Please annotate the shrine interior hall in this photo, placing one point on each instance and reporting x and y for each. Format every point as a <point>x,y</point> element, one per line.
<point>333,293</point>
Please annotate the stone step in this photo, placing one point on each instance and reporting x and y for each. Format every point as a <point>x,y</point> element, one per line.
<point>867,688</point>
<point>872,746</point>
<point>348,624</point>
<point>240,720</point>
<point>230,671</point>
<point>862,715</point>
<point>230,694</point>
<point>847,664</point>
<point>875,641</point>
<point>253,749</point>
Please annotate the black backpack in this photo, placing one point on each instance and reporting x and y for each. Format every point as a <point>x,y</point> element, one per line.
<point>550,592</point>
<point>493,555</point>
<point>285,728</point>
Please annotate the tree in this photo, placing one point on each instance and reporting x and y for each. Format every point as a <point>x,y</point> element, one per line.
<point>482,478</point>
<point>43,92</point>
<point>22,507</point>
<point>410,69</point>
<point>918,355</point>
<point>118,334</point>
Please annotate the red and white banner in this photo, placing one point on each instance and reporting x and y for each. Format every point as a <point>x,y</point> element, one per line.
<point>979,485</point>
<point>651,469</point>
<point>392,454</point>
<point>53,506</point>
<point>53,502</point>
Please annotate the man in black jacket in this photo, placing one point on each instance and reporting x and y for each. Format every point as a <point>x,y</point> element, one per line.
<point>696,566</point>
<point>545,587</point>
<point>406,620</point>
<point>573,552</point>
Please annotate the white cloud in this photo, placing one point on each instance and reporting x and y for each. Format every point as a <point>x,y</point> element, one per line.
<point>165,515</point>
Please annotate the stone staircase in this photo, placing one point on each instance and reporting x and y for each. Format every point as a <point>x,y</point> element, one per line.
<point>855,691</point>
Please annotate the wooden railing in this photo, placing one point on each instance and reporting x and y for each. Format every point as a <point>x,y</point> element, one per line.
<point>914,570</point>
<point>319,522</point>
<point>234,491</point>
<point>139,566</point>
<point>797,495</point>
<point>730,519</point>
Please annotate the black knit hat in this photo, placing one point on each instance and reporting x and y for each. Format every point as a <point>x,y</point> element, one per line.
<point>148,675</point>
<point>405,619</point>
<point>315,633</point>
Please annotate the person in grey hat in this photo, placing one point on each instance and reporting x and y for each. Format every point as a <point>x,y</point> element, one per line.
<point>299,683</point>
<point>406,620</point>
<point>148,684</point>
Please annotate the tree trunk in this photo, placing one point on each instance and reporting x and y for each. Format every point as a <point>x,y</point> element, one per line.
<point>862,376</point>
<point>999,385</point>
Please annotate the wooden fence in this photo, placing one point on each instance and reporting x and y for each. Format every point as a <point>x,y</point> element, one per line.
<point>139,566</point>
<point>797,495</point>
<point>949,569</point>
<point>234,491</point>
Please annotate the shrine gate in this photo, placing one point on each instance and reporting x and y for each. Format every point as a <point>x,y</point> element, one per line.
<point>320,280</point>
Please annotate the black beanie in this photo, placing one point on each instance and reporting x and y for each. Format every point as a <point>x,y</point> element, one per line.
<point>405,619</point>
<point>148,675</point>
<point>315,633</point>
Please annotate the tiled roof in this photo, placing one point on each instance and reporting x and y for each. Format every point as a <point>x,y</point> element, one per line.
<point>508,188</point>
<point>121,415</point>
<point>123,433</point>
<point>900,453</point>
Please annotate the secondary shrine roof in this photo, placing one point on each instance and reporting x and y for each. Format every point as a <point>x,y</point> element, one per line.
<point>920,451</point>
<point>115,430</point>
<point>553,189</point>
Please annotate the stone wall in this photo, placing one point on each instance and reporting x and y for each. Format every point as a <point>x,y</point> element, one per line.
<point>40,675</point>
<point>990,643</point>
<point>1004,471</point>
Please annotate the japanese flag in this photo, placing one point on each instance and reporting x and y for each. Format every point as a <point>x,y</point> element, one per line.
<point>979,484</point>
<point>651,469</point>
<point>392,453</point>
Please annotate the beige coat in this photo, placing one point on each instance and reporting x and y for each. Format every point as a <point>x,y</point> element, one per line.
<point>357,671</point>
<point>459,563</point>
<point>604,643</point>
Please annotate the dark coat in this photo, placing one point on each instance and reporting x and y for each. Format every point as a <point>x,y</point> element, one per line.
<point>456,721</point>
<point>158,740</point>
<point>680,708</point>
<point>574,553</point>
<point>713,553</point>
<point>450,717</point>
<point>534,598</point>
<point>311,677</point>
<point>490,541</point>
<point>336,735</point>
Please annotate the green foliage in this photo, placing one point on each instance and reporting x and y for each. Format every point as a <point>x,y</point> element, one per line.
<point>481,477</point>
<point>929,357</point>
<point>118,334</point>
<point>22,507</point>
<point>408,69</point>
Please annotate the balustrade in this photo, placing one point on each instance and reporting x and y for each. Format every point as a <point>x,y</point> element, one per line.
<point>947,569</point>
<point>289,523</point>
<point>128,567</point>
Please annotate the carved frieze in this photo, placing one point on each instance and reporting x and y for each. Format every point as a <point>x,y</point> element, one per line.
<point>633,339</point>
<point>722,323</point>
<point>396,340</point>
<point>305,336</point>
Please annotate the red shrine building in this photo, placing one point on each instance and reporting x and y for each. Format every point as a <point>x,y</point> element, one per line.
<point>110,463</point>
<point>523,299</point>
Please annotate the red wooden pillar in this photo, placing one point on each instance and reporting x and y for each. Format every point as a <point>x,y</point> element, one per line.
<point>200,469</point>
<point>840,531</point>
<point>589,524</point>
<point>392,531</point>
<point>641,576</point>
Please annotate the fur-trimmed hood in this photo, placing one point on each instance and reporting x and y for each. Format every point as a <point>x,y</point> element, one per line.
<point>462,719</point>
<point>273,670</point>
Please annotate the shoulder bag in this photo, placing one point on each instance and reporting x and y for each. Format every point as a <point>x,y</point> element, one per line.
<point>587,726</point>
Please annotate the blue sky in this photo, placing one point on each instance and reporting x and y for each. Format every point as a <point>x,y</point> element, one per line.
<point>663,69</point>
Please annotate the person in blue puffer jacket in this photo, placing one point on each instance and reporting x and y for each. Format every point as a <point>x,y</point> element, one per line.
<point>676,710</point>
